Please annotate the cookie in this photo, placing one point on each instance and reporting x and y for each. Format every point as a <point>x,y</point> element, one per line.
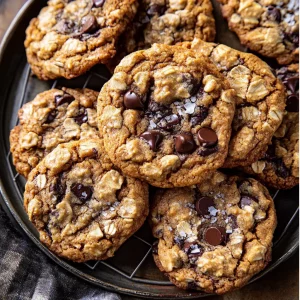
<point>82,207</point>
<point>279,168</point>
<point>215,236</point>
<point>270,28</point>
<point>53,117</point>
<point>165,116</point>
<point>166,22</point>
<point>69,37</point>
<point>260,101</point>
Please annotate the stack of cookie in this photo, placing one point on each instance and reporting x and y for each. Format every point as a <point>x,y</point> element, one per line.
<point>171,116</point>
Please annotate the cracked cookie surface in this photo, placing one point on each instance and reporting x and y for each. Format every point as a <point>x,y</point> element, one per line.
<point>214,236</point>
<point>279,168</point>
<point>270,28</point>
<point>260,101</point>
<point>82,207</point>
<point>53,117</point>
<point>69,37</point>
<point>166,22</point>
<point>166,115</point>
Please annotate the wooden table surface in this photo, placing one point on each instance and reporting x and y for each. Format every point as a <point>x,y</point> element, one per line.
<point>280,284</point>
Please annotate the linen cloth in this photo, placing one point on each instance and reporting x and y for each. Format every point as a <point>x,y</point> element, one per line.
<point>26,273</point>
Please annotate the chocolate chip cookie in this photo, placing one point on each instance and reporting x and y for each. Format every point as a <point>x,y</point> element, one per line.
<point>279,168</point>
<point>165,116</point>
<point>70,37</point>
<point>53,117</point>
<point>270,28</point>
<point>214,236</point>
<point>82,207</point>
<point>260,101</point>
<point>166,22</point>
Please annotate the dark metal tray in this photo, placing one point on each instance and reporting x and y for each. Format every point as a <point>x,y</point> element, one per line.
<point>132,270</point>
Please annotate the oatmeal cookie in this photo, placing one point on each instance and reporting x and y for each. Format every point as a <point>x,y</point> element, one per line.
<point>82,207</point>
<point>166,115</point>
<point>70,37</point>
<point>53,117</point>
<point>260,101</point>
<point>166,22</point>
<point>279,168</point>
<point>214,236</point>
<point>270,28</point>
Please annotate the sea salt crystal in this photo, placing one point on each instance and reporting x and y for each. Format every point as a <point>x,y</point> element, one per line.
<point>213,220</point>
<point>189,107</point>
<point>212,211</point>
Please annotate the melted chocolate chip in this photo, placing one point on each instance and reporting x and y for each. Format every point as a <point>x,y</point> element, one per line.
<point>292,103</point>
<point>155,247</point>
<point>184,143</point>
<point>192,249</point>
<point>207,151</point>
<point>281,170</point>
<point>215,235</point>
<point>83,193</point>
<point>82,118</point>
<point>200,116</point>
<point>62,99</point>
<point>65,26</point>
<point>246,200</point>
<point>292,83</point>
<point>98,3</point>
<point>153,138</point>
<point>168,122</point>
<point>89,24</point>
<point>58,189</point>
<point>202,205</point>
<point>133,101</point>
<point>274,13</point>
<point>156,9</point>
<point>51,116</point>
<point>207,137</point>
<point>270,154</point>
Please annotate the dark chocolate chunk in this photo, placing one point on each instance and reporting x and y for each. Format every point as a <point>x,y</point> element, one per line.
<point>168,122</point>
<point>64,98</point>
<point>66,26</point>
<point>292,103</point>
<point>202,205</point>
<point>280,169</point>
<point>215,235</point>
<point>184,143</point>
<point>274,13</point>
<point>83,193</point>
<point>89,24</point>
<point>51,116</point>
<point>292,83</point>
<point>192,249</point>
<point>133,101</point>
<point>153,138</point>
<point>82,118</point>
<point>207,137</point>
<point>270,154</point>
<point>58,189</point>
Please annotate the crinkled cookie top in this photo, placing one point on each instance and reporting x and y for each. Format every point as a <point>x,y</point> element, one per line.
<point>165,116</point>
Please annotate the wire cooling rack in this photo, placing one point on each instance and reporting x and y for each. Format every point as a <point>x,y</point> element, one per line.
<point>141,242</point>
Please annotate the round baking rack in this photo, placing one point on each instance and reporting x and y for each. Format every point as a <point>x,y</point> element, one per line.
<point>132,270</point>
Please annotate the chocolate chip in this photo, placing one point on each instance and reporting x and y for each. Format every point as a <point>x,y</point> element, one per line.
<point>98,3</point>
<point>202,205</point>
<point>270,154</point>
<point>207,137</point>
<point>200,117</point>
<point>83,193</point>
<point>292,103</point>
<point>65,26</point>
<point>82,118</point>
<point>155,247</point>
<point>192,249</point>
<point>184,143</point>
<point>51,116</point>
<point>246,200</point>
<point>62,99</point>
<point>153,138</point>
<point>156,9</point>
<point>274,13</point>
<point>168,122</point>
<point>207,151</point>
<point>133,101</point>
<point>89,24</point>
<point>292,83</point>
<point>281,170</point>
<point>215,235</point>
<point>58,189</point>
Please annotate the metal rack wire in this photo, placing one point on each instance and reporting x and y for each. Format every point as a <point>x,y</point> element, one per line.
<point>131,275</point>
